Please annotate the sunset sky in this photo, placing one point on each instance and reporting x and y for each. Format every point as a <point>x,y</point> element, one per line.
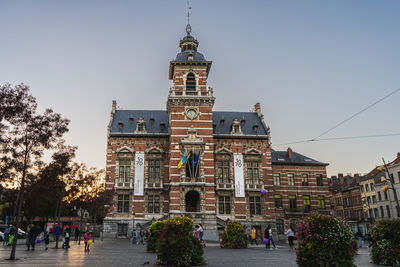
<point>311,64</point>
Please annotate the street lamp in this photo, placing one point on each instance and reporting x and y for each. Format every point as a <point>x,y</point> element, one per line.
<point>387,187</point>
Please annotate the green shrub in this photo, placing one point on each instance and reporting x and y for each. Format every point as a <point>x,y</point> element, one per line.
<point>386,242</point>
<point>325,241</point>
<point>177,245</point>
<point>152,241</point>
<point>234,236</point>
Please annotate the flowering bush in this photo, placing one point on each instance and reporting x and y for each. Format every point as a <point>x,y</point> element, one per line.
<point>177,245</point>
<point>325,241</point>
<point>152,241</point>
<point>386,242</point>
<point>233,236</point>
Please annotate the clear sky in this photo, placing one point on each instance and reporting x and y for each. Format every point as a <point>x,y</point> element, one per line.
<point>310,64</point>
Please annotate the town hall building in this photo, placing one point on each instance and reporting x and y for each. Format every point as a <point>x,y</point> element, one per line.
<point>191,160</point>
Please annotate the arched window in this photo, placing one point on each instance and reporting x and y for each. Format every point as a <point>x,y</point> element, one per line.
<point>190,82</point>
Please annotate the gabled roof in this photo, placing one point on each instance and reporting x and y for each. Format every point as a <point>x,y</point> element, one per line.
<point>282,158</point>
<point>153,119</point>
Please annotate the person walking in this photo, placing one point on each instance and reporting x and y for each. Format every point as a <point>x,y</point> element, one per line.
<point>32,235</point>
<point>141,236</point>
<point>46,240</point>
<point>134,237</point>
<point>67,237</point>
<point>28,241</point>
<point>57,234</point>
<point>359,236</point>
<point>197,232</point>
<point>266,235</point>
<point>201,229</point>
<point>253,236</point>
<point>7,233</point>
<point>270,237</point>
<point>87,237</point>
<point>290,236</point>
<point>77,233</point>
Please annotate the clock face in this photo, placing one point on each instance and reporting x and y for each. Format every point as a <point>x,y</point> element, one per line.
<point>191,114</point>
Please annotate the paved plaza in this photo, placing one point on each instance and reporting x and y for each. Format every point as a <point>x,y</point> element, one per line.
<point>123,253</point>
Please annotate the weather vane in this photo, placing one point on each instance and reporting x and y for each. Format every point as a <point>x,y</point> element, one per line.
<point>188,27</point>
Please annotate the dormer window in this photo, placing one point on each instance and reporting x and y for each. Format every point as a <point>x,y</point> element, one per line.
<point>131,119</point>
<point>190,57</point>
<point>255,128</point>
<point>140,126</point>
<point>120,125</point>
<point>190,82</point>
<point>236,129</point>
<point>151,120</point>
<point>162,126</point>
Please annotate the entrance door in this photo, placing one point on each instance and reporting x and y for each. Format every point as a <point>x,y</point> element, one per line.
<point>192,201</point>
<point>122,229</point>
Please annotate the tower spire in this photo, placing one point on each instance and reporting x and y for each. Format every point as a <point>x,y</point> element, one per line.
<point>188,27</point>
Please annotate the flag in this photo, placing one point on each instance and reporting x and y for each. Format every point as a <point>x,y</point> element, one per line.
<point>188,157</point>
<point>196,159</point>
<point>183,159</point>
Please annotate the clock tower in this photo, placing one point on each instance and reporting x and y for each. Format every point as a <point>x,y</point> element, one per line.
<point>189,106</point>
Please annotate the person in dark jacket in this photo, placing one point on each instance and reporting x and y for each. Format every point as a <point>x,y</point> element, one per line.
<point>32,235</point>
<point>359,236</point>
<point>57,234</point>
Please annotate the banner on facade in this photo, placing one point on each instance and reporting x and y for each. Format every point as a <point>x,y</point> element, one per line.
<point>239,179</point>
<point>139,174</point>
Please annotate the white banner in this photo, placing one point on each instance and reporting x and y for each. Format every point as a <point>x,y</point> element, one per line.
<point>139,174</point>
<point>239,179</point>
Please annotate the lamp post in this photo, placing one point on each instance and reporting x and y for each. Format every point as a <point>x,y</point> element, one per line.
<point>387,187</point>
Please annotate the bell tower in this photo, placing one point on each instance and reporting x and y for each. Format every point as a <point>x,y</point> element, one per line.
<point>189,106</point>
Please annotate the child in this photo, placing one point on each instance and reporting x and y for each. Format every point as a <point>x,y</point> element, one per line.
<point>87,237</point>
<point>46,240</point>
<point>134,237</point>
<point>197,232</point>
<point>141,234</point>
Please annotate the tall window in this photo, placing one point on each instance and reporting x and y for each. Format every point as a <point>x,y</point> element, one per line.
<point>386,195</point>
<point>292,202</point>
<point>319,180</point>
<point>279,226</point>
<point>290,177</point>
<point>304,179</point>
<point>398,175</point>
<point>307,202</point>
<point>123,203</point>
<point>190,82</point>
<point>124,170</point>
<point>255,205</point>
<point>362,189</point>
<point>223,171</point>
<point>366,187</point>
<point>369,200</point>
<point>277,179</point>
<point>382,212</point>
<point>224,205</point>
<point>321,202</point>
<point>376,213</point>
<point>141,126</point>
<point>278,201</point>
<point>388,211</point>
<point>379,196</point>
<point>253,175</point>
<point>153,204</point>
<point>372,186</point>
<point>154,170</point>
<point>374,199</point>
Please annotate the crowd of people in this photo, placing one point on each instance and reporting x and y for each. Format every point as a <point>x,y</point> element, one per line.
<point>35,235</point>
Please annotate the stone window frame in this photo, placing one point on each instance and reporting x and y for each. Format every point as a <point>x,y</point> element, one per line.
<point>230,202</point>
<point>224,155</point>
<point>320,179</point>
<point>277,179</point>
<point>196,77</point>
<point>291,182</point>
<point>305,179</point>
<point>259,203</point>
<point>154,154</point>
<point>153,197</point>
<point>124,153</point>
<point>124,203</point>
<point>280,226</point>
<point>278,201</point>
<point>200,172</point>
<point>140,126</point>
<point>321,202</point>
<point>307,202</point>
<point>253,155</point>
<point>236,128</point>
<point>290,202</point>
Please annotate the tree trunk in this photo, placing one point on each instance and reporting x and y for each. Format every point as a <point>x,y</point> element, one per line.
<point>19,206</point>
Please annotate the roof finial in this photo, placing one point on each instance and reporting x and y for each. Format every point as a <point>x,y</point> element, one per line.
<point>188,27</point>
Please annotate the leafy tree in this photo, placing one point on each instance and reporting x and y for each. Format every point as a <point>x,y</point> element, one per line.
<point>25,135</point>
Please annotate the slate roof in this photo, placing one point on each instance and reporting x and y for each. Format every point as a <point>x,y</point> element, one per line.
<point>282,158</point>
<point>161,116</point>
<point>183,56</point>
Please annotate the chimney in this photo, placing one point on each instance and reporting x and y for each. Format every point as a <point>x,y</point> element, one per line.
<point>114,106</point>
<point>398,154</point>
<point>289,152</point>
<point>257,109</point>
